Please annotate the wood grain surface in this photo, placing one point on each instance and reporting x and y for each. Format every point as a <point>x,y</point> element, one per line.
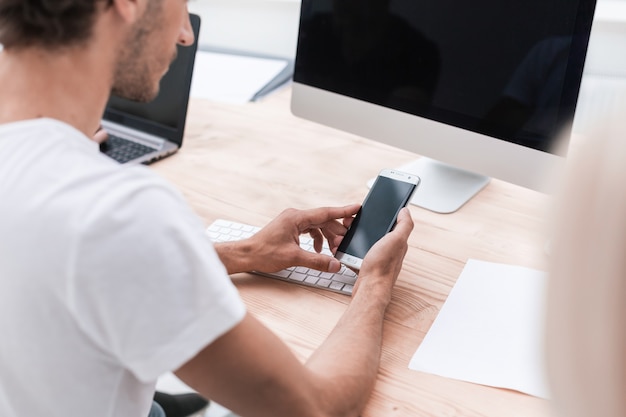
<point>248,162</point>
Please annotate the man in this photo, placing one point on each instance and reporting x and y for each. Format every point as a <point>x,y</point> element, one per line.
<point>107,279</point>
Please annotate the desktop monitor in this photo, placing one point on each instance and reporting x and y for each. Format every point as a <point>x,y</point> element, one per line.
<point>480,89</point>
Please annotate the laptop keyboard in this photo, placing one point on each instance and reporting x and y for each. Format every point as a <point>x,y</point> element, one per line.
<point>123,150</point>
<point>341,282</point>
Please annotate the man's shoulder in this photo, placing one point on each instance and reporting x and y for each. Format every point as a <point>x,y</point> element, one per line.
<point>42,141</point>
<point>83,186</point>
<point>37,127</point>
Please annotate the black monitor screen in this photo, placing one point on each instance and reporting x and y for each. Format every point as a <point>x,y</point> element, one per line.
<point>507,69</point>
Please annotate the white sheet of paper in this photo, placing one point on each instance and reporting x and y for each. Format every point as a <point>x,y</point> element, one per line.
<point>490,330</point>
<point>232,78</point>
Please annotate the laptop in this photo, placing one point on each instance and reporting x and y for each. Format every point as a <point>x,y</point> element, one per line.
<point>141,133</point>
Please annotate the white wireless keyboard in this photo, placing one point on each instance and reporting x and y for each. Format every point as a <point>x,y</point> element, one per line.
<point>341,282</point>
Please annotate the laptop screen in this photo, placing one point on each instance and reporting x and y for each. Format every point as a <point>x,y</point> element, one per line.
<point>165,115</point>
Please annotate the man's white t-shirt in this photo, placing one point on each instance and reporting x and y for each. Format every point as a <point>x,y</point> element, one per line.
<point>107,279</point>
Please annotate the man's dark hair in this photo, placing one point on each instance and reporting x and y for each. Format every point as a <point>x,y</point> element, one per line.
<point>48,23</point>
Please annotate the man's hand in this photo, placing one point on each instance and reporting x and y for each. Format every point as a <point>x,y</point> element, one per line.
<point>339,376</point>
<point>277,245</point>
<point>100,136</point>
<point>383,261</point>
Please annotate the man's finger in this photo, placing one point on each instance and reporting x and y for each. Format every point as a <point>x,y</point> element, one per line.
<point>320,262</point>
<point>318,216</point>
<point>404,225</point>
<point>100,136</point>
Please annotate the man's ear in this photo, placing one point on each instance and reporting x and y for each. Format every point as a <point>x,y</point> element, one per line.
<point>129,10</point>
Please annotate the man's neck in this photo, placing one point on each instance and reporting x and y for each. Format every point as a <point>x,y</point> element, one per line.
<point>69,85</point>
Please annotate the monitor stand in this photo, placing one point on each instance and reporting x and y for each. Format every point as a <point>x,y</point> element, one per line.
<point>443,188</point>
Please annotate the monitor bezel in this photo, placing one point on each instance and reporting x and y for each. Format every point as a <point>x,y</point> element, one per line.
<point>455,146</point>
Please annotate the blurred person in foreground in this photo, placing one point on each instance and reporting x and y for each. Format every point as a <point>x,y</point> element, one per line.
<point>586,324</point>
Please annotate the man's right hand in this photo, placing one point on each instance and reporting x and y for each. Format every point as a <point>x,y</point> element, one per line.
<point>248,367</point>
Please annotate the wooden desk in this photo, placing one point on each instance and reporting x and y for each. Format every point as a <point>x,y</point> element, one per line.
<point>248,162</point>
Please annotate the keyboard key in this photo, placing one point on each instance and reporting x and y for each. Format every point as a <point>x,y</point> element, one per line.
<point>310,280</point>
<point>336,285</point>
<point>324,282</point>
<point>345,279</point>
<point>347,289</point>
<point>283,274</point>
<point>297,276</point>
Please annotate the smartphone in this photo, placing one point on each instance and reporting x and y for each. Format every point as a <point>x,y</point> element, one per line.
<point>391,191</point>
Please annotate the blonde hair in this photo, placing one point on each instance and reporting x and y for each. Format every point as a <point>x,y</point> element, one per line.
<point>586,323</point>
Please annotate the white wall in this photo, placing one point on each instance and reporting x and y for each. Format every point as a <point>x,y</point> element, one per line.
<point>271,27</point>
<point>260,26</point>
<point>606,54</point>
<point>603,90</point>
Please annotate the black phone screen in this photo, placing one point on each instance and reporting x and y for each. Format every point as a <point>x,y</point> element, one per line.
<point>377,215</point>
